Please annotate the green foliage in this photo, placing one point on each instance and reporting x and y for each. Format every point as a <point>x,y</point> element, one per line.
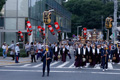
<point>88,13</point>
<point>2,2</point>
<point>22,53</point>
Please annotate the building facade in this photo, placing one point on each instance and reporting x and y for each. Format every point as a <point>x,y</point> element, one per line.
<point>17,12</point>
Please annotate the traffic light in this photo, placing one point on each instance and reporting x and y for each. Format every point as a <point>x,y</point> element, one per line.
<point>47,17</point>
<point>108,22</point>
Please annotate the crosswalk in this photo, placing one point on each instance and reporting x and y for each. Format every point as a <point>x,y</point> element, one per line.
<point>57,64</point>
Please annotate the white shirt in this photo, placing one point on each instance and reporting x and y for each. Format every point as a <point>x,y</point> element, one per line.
<point>12,46</point>
<point>98,51</point>
<point>93,50</point>
<point>4,46</point>
<point>88,49</point>
<point>67,47</point>
<point>63,49</point>
<point>78,50</point>
<point>17,50</point>
<point>118,50</point>
<point>84,51</point>
<point>39,46</point>
<point>56,49</point>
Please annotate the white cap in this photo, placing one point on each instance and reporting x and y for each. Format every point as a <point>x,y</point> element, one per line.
<point>17,43</point>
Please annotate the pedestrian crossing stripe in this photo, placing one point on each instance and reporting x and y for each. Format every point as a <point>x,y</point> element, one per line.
<point>71,66</point>
<point>54,63</point>
<point>63,65</point>
<point>26,65</point>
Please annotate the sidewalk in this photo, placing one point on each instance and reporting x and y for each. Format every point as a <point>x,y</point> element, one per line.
<point>9,61</point>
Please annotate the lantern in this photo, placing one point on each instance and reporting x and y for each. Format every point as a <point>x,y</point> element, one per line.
<point>51,29</point>
<point>29,26</point>
<point>40,28</point>
<point>21,35</point>
<point>57,27</point>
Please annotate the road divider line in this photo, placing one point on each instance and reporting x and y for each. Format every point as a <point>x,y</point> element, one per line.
<point>38,65</point>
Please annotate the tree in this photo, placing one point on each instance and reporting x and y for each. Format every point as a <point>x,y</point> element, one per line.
<point>88,13</point>
<point>2,2</point>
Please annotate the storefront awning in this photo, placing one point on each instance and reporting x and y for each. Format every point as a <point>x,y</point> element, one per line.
<point>1,30</point>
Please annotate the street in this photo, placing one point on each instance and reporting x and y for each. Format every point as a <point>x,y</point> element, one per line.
<point>59,71</point>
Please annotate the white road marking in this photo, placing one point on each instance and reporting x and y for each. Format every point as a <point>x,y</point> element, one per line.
<point>71,66</point>
<point>25,65</point>
<point>62,65</point>
<point>54,63</point>
<point>97,67</point>
<point>110,65</point>
<point>38,65</point>
<point>112,73</point>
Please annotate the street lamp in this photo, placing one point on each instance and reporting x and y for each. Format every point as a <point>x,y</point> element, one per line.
<point>78,31</point>
<point>46,30</point>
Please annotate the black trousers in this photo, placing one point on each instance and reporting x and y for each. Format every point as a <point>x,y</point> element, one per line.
<point>27,53</point>
<point>33,57</point>
<point>48,67</point>
<point>13,57</point>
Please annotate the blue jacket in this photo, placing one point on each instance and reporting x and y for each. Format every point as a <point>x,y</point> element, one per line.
<point>49,55</point>
<point>103,53</point>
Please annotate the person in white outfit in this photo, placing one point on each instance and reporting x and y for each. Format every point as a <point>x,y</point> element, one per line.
<point>4,46</point>
<point>17,53</point>
<point>12,52</point>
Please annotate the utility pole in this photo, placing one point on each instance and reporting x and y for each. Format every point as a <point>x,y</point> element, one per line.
<point>114,29</point>
<point>102,22</point>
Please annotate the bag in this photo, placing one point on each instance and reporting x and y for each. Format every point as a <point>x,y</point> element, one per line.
<point>114,58</point>
<point>59,56</point>
<point>83,59</point>
<point>90,60</point>
<point>42,59</point>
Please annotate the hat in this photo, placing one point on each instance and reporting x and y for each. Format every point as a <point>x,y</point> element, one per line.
<point>17,43</point>
<point>84,44</point>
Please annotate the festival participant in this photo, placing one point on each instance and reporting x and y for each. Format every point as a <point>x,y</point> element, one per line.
<point>84,54</point>
<point>93,55</point>
<point>55,52</point>
<point>78,57</point>
<point>63,53</point>
<point>98,55</point>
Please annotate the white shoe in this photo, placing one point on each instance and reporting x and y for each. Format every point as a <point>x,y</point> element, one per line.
<point>113,63</point>
<point>103,70</point>
<point>81,67</point>
<point>85,66</point>
<point>106,69</point>
<point>77,67</point>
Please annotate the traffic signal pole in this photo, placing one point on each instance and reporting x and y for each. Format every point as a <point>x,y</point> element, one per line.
<point>114,29</point>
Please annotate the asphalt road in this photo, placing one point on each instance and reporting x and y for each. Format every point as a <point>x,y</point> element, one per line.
<point>59,71</point>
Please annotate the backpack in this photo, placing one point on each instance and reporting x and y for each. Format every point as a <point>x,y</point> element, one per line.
<point>32,52</point>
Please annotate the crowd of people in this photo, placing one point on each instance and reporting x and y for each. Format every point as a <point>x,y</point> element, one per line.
<point>90,53</point>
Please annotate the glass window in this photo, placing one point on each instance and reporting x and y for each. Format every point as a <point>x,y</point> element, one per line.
<point>10,23</point>
<point>9,36</point>
<point>21,23</point>
<point>23,8</point>
<point>11,8</point>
